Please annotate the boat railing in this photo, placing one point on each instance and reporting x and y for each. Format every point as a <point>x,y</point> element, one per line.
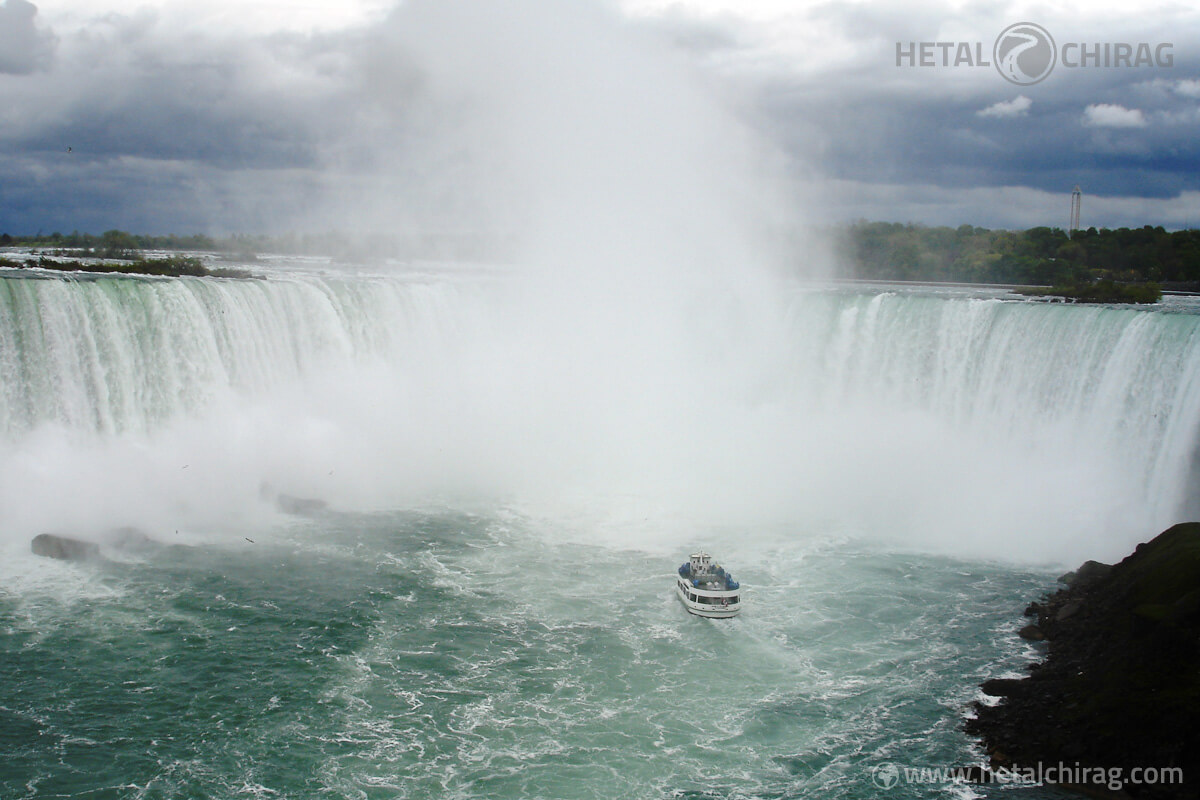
<point>711,591</point>
<point>714,574</point>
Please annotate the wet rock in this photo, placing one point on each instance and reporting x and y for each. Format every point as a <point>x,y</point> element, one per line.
<point>300,506</point>
<point>1002,687</point>
<point>1089,573</point>
<point>52,545</point>
<point>1067,610</point>
<point>1119,687</point>
<point>290,504</point>
<point>129,539</point>
<point>1033,633</point>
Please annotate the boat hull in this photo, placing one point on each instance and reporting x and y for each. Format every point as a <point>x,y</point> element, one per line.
<point>710,603</point>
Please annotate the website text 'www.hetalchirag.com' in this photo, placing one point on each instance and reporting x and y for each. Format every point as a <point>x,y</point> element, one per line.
<point>889,774</point>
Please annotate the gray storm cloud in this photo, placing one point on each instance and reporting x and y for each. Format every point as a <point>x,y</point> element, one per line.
<point>535,116</point>
<point>24,46</point>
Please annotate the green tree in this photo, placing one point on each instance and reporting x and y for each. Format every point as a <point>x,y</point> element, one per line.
<point>118,244</point>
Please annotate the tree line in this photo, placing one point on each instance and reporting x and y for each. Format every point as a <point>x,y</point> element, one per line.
<point>120,244</point>
<point>871,250</point>
<point>111,244</point>
<point>1037,257</point>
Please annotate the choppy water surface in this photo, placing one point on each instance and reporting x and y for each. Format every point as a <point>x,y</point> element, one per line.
<point>445,654</point>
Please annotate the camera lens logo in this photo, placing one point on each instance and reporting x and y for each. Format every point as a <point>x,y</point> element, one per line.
<point>1024,53</point>
<point>885,775</point>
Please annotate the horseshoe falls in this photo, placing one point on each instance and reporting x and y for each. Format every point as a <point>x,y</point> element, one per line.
<point>483,607</point>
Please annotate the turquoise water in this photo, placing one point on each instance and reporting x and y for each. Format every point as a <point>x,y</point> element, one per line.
<point>516,472</point>
<point>446,654</point>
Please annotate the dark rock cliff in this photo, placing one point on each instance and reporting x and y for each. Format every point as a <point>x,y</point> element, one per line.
<point>1119,689</point>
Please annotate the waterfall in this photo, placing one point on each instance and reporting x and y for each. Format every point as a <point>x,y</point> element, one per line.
<point>1101,404</point>
<point>1054,376</point>
<point>942,419</point>
<point>113,355</point>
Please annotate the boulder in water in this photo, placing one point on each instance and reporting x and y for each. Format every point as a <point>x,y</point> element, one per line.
<point>300,506</point>
<point>290,504</point>
<point>52,545</point>
<point>1032,632</point>
<point>132,540</point>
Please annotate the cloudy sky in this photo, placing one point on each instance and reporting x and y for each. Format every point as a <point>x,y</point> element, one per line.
<point>263,115</point>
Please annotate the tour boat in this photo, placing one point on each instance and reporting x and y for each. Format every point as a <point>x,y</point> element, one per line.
<point>706,589</point>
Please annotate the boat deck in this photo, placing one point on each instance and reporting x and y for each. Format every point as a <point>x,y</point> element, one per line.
<point>709,585</point>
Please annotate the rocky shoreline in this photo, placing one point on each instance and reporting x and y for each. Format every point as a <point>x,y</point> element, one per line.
<point>1116,701</point>
<point>176,266</point>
